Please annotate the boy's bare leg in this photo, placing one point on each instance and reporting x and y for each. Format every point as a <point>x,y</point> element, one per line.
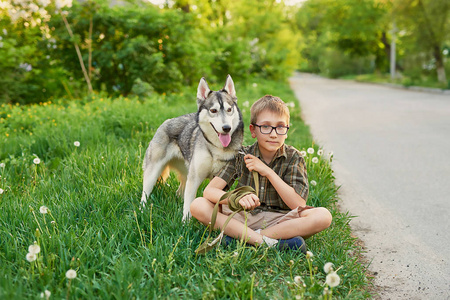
<point>202,209</point>
<point>311,221</point>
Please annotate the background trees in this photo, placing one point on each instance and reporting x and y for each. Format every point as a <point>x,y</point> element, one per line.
<point>141,48</point>
<point>354,37</point>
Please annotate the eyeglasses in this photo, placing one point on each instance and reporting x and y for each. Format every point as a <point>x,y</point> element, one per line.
<point>267,129</point>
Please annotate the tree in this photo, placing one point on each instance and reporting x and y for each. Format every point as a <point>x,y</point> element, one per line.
<point>426,25</point>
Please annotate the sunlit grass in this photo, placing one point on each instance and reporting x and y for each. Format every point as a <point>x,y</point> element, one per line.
<point>92,225</point>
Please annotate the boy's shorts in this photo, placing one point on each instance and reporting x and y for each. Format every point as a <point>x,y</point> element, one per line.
<point>264,219</point>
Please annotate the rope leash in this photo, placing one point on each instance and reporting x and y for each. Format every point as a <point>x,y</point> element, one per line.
<point>233,203</point>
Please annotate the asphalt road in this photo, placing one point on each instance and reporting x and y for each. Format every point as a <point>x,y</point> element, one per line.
<point>392,159</point>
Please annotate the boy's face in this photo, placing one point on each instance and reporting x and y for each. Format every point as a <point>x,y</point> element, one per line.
<point>269,142</point>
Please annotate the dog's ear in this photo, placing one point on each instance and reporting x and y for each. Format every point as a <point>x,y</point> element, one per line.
<point>203,90</point>
<point>229,87</point>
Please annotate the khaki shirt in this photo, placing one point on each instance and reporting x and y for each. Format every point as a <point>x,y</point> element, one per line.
<point>287,163</point>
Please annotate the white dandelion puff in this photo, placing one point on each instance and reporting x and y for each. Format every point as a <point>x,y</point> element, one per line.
<point>309,254</point>
<point>2,165</point>
<point>46,294</point>
<point>43,209</point>
<point>303,153</point>
<point>333,279</point>
<point>320,152</point>
<point>298,280</point>
<point>315,160</point>
<point>31,257</point>
<point>328,267</point>
<point>36,161</point>
<point>310,150</point>
<point>34,249</point>
<point>76,144</point>
<point>246,104</point>
<point>255,84</point>
<point>313,183</point>
<point>71,274</point>
<point>1,191</point>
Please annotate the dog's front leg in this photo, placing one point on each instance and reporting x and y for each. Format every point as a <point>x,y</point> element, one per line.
<point>192,184</point>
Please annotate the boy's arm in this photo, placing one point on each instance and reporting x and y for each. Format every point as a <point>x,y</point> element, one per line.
<point>286,192</point>
<point>214,191</point>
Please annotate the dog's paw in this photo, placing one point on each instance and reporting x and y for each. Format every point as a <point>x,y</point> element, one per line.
<point>186,216</point>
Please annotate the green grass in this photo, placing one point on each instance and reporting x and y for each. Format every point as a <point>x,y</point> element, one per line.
<point>95,226</point>
<point>407,81</point>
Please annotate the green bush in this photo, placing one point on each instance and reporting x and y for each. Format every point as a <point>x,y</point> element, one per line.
<point>28,73</point>
<point>333,63</point>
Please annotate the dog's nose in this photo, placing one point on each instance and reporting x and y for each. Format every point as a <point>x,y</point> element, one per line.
<point>226,128</point>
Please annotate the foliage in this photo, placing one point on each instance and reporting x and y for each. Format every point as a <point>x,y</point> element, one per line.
<point>132,43</point>
<point>29,74</point>
<point>93,225</point>
<point>357,32</point>
<point>138,47</point>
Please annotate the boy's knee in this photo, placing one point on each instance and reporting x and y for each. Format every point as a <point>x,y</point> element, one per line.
<point>325,217</point>
<point>198,208</point>
<point>194,208</point>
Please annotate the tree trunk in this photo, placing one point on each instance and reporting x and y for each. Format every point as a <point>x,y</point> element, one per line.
<point>442,78</point>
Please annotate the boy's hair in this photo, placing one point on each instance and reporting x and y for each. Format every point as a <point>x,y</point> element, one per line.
<point>271,103</point>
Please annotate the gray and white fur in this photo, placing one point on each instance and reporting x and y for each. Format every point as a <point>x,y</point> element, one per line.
<point>196,145</point>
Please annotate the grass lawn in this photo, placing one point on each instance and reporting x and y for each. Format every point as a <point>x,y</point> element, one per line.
<point>93,224</point>
<point>421,81</point>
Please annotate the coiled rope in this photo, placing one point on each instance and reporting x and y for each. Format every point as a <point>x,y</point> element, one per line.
<point>233,203</point>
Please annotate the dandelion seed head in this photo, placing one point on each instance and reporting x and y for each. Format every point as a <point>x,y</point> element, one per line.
<point>328,267</point>
<point>43,209</point>
<point>71,274</point>
<point>315,160</point>
<point>298,279</point>
<point>46,294</point>
<point>313,183</point>
<point>35,249</point>
<point>76,144</point>
<point>309,254</point>
<point>1,191</point>
<point>310,150</point>
<point>333,279</point>
<point>320,152</point>
<point>303,153</point>
<point>36,161</point>
<point>2,165</point>
<point>31,257</point>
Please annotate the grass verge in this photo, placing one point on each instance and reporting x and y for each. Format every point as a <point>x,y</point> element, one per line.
<point>406,81</point>
<point>82,160</point>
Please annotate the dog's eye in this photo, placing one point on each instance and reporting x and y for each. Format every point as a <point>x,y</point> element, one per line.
<point>213,110</point>
<point>229,109</point>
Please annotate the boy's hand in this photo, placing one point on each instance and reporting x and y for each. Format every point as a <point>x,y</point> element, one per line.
<point>255,164</point>
<point>249,202</point>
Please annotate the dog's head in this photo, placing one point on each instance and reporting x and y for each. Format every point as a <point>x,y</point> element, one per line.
<point>218,113</point>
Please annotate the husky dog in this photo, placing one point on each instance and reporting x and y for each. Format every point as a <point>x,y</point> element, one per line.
<point>195,145</point>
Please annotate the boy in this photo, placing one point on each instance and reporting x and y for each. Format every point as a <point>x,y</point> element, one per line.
<point>279,216</point>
